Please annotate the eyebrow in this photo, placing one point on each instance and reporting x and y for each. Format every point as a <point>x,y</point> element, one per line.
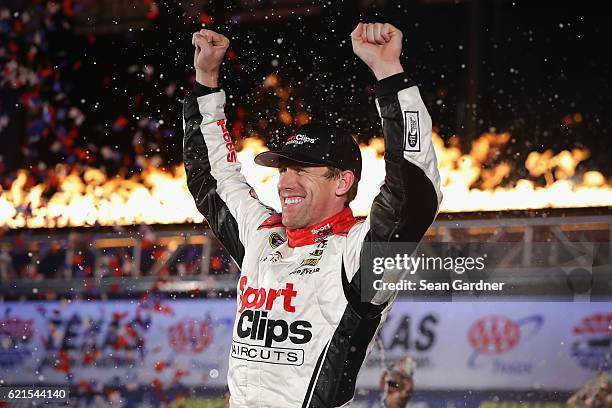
<point>291,167</point>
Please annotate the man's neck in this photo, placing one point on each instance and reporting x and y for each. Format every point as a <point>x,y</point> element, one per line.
<point>338,224</point>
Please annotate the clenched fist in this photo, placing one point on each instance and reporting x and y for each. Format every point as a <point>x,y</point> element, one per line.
<point>210,48</point>
<point>379,46</point>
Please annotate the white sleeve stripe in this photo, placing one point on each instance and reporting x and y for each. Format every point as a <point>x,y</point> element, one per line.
<point>232,187</point>
<point>410,101</point>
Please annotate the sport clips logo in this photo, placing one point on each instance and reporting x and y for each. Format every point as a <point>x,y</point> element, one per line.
<point>300,139</point>
<point>263,333</point>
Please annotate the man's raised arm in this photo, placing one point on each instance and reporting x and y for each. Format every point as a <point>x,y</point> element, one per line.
<point>220,191</point>
<point>409,199</point>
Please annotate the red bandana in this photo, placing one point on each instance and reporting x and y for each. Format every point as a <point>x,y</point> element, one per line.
<point>338,224</point>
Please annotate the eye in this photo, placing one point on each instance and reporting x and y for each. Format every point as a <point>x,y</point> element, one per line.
<point>282,170</point>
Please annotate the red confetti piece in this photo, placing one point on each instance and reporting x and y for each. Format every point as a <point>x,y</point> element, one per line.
<point>237,129</point>
<point>205,19</point>
<point>163,309</point>
<point>215,263</point>
<point>157,384</point>
<point>89,357</point>
<point>158,253</point>
<point>31,55</point>
<point>161,366</point>
<point>63,362</point>
<point>77,259</point>
<point>130,331</point>
<point>152,13</point>
<point>120,122</point>
<point>118,272</point>
<point>68,10</point>
<point>120,343</point>
<point>46,72</point>
<point>178,374</point>
<point>119,315</point>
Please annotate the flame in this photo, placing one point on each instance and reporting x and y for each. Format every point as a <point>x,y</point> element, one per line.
<point>469,183</point>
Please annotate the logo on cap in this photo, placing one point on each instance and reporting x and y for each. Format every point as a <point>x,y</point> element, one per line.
<point>300,139</point>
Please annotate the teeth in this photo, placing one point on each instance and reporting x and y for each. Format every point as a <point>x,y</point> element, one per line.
<point>293,200</point>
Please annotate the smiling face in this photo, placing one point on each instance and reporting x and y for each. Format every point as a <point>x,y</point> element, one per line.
<point>308,196</point>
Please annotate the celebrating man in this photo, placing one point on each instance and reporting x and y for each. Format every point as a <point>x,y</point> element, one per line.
<point>397,383</point>
<point>305,319</point>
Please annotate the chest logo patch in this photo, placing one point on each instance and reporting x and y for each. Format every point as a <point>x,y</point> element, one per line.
<point>275,240</point>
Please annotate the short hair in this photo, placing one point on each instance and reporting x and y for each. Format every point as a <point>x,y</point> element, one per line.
<point>336,173</point>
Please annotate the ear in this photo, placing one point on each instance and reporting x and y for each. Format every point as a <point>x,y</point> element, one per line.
<point>345,182</point>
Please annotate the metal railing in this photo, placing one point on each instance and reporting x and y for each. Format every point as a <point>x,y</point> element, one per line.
<point>186,260</point>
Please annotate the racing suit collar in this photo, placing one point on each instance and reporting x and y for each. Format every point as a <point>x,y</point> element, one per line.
<point>338,224</point>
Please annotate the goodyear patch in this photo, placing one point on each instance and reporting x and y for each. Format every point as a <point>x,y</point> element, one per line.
<point>311,261</point>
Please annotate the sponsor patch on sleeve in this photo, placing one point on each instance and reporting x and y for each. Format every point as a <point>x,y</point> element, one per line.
<point>412,129</point>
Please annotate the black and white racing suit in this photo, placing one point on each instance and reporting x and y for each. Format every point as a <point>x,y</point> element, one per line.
<point>302,329</point>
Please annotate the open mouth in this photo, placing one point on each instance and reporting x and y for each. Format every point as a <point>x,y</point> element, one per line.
<point>289,201</point>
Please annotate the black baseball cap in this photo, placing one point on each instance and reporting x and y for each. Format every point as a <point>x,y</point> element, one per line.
<point>314,145</point>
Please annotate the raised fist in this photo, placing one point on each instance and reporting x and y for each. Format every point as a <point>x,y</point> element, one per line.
<point>210,48</point>
<point>379,46</point>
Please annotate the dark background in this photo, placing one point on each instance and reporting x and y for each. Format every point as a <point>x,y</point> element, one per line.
<point>520,66</point>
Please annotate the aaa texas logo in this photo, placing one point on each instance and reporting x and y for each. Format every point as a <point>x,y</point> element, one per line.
<point>592,344</point>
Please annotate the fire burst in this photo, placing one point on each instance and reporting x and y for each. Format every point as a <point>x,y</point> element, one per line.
<point>158,197</point>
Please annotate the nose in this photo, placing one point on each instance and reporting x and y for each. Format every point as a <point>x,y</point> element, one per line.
<point>287,180</point>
